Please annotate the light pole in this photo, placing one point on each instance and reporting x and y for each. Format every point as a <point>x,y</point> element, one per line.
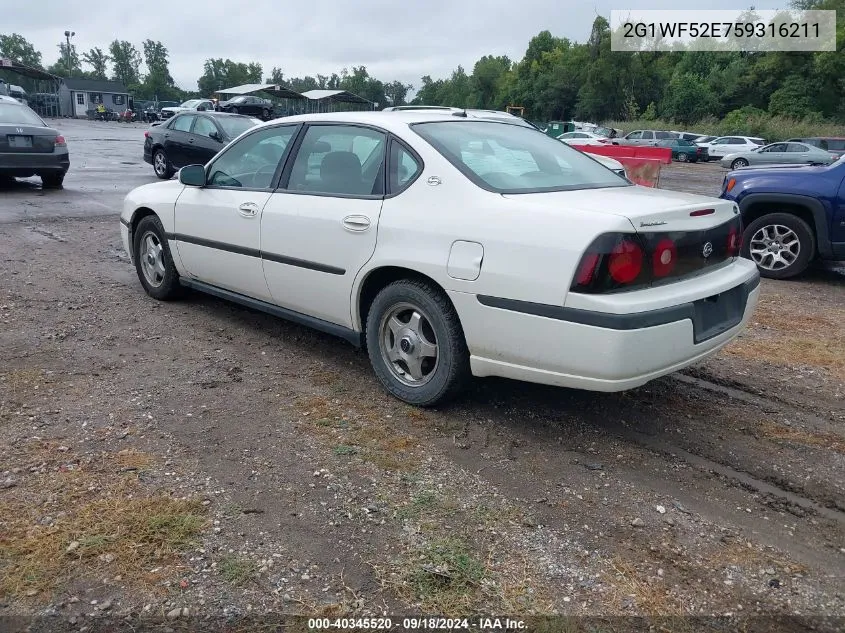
<point>68,35</point>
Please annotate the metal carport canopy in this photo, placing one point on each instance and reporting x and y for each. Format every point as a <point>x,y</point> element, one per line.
<point>26,71</point>
<point>274,89</point>
<point>341,96</point>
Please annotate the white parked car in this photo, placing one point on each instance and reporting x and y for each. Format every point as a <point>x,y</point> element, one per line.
<point>720,147</point>
<point>583,138</point>
<point>191,104</point>
<point>450,247</point>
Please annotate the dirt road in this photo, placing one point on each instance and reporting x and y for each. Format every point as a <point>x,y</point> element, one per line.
<point>197,455</point>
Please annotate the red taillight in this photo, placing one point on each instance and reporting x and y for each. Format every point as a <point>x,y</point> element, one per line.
<point>664,257</point>
<point>625,262</point>
<point>734,241</point>
<point>60,141</point>
<point>700,212</point>
<point>587,269</point>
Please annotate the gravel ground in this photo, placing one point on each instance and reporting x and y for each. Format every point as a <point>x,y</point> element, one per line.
<point>196,458</point>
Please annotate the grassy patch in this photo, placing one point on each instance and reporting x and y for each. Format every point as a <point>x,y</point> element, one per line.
<point>785,335</point>
<point>420,503</point>
<point>237,571</point>
<point>651,598</point>
<point>343,449</point>
<point>445,577</point>
<point>103,521</point>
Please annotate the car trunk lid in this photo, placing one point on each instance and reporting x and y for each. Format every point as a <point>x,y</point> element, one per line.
<point>678,234</point>
<point>26,139</point>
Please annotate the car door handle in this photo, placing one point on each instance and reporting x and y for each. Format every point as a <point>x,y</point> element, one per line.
<point>248,209</point>
<point>190,140</point>
<point>356,223</point>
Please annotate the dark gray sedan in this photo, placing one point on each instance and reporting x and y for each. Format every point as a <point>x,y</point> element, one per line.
<point>28,147</point>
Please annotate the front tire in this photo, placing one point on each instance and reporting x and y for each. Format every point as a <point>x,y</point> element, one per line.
<point>235,110</point>
<point>739,162</point>
<point>416,343</point>
<point>161,165</point>
<point>682,158</point>
<point>265,114</point>
<point>153,261</point>
<point>781,244</point>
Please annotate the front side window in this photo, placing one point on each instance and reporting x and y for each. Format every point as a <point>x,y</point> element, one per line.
<point>252,161</point>
<point>777,147</point>
<point>339,159</point>
<point>513,159</point>
<point>182,123</point>
<point>204,127</point>
<point>635,135</point>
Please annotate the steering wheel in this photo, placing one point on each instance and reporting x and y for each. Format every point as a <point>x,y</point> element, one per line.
<point>264,169</point>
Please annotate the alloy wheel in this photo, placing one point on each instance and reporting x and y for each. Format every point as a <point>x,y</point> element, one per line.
<point>408,344</point>
<point>152,259</point>
<point>774,247</point>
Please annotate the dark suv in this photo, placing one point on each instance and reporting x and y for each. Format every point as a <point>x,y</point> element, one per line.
<point>792,215</point>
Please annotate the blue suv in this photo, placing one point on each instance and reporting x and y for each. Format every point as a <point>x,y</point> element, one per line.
<point>792,215</point>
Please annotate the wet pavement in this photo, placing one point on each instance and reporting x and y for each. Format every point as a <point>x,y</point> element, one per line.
<point>106,162</point>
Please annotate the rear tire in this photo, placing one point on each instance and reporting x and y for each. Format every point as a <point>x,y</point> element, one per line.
<point>53,180</point>
<point>781,244</point>
<point>153,261</point>
<point>682,158</point>
<point>416,343</point>
<point>161,165</point>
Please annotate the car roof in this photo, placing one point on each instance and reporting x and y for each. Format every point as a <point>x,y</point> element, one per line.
<point>392,120</point>
<point>5,99</point>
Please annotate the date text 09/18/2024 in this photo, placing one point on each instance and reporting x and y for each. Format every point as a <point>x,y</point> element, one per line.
<point>417,624</point>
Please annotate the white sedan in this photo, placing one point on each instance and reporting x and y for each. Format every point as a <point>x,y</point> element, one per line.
<point>583,138</point>
<point>450,247</point>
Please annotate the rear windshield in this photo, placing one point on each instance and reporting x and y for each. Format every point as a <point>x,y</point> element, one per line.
<point>12,113</point>
<point>235,126</point>
<point>508,158</point>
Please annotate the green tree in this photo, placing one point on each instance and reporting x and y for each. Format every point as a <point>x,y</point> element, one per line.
<point>488,80</point>
<point>61,66</point>
<point>19,49</point>
<point>397,92</point>
<point>276,77</point>
<point>126,61</point>
<point>793,99</point>
<point>98,60</point>
<point>219,74</point>
<point>687,99</point>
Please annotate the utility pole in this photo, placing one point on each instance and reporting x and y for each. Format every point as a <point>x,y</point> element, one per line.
<point>68,35</point>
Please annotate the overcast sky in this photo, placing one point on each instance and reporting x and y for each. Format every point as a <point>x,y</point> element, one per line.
<point>394,39</point>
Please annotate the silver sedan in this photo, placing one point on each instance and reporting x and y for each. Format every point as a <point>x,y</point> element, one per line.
<point>779,154</point>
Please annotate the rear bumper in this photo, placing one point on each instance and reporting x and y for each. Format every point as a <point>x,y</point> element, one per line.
<point>594,350</point>
<point>23,165</point>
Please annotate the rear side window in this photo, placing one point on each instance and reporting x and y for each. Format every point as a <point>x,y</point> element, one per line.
<point>341,160</point>
<point>403,168</point>
<point>182,123</point>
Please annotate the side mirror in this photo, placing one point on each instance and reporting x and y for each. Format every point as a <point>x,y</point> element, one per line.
<point>192,175</point>
<point>215,135</point>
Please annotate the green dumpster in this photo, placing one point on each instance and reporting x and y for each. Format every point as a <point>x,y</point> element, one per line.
<point>556,128</point>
